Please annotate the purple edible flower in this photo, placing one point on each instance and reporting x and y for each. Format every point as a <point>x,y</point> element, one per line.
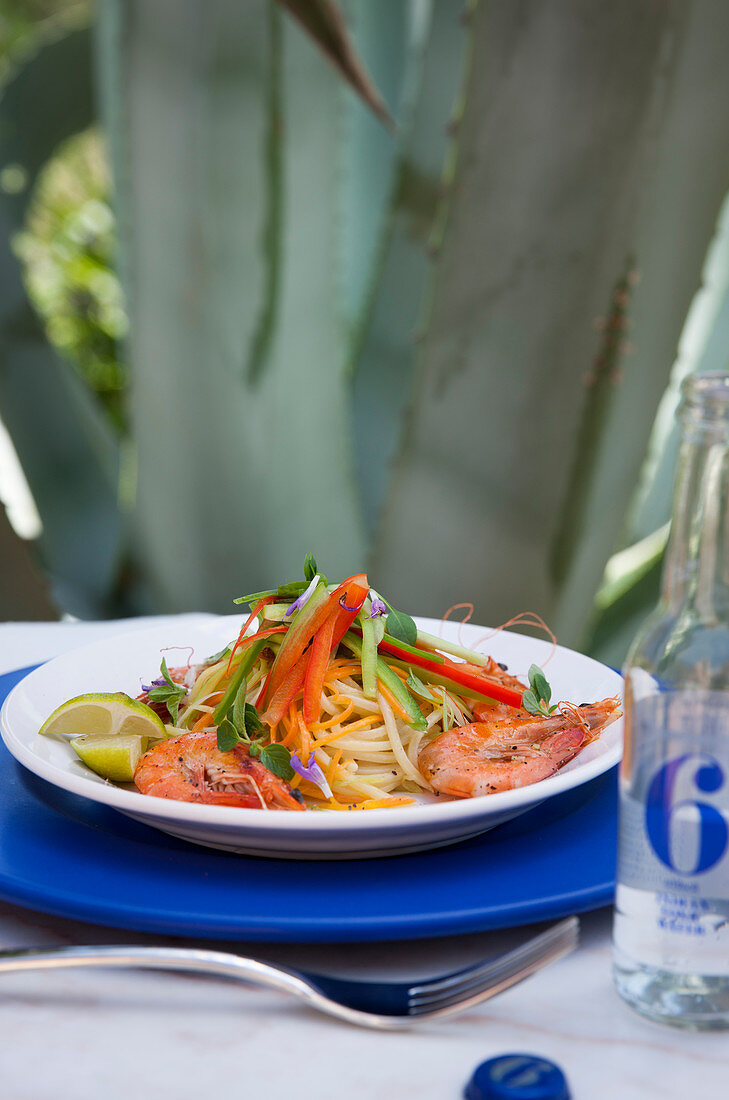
<point>378,608</point>
<point>298,604</point>
<point>312,772</point>
<point>158,683</point>
<point>346,606</point>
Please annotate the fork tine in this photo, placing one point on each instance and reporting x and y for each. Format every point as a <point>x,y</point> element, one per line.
<point>462,978</point>
<point>484,981</point>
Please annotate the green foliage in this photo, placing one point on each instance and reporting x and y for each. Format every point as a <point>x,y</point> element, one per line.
<point>68,253</point>
<point>445,409</point>
<point>23,22</point>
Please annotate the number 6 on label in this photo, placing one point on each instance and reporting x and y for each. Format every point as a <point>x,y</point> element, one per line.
<point>661,810</point>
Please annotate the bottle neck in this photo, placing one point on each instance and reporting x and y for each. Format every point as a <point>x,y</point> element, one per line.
<point>696,570</point>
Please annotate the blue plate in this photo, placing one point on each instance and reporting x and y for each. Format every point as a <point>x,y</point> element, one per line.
<point>66,855</point>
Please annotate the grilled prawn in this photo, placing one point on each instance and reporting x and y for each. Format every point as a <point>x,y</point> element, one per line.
<point>191,768</point>
<point>502,752</point>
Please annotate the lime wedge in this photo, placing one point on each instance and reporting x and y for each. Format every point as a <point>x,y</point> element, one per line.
<point>104,712</point>
<point>113,756</point>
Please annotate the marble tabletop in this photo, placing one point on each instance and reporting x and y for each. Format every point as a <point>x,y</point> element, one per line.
<point>85,1035</point>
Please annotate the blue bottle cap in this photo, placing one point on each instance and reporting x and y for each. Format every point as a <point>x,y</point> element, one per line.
<point>517,1077</point>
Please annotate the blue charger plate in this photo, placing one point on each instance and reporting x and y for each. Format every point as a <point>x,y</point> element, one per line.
<point>62,854</point>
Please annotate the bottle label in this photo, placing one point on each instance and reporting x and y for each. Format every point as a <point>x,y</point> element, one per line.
<point>673,864</point>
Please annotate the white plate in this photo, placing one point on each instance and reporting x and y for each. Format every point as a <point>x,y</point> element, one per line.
<point>122,662</point>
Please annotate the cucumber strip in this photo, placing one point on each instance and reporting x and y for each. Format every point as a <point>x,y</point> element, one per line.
<point>411,648</point>
<point>430,642</point>
<point>247,662</point>
<point>392,682</point>
<point>368,657</point>
<point>275,612</point>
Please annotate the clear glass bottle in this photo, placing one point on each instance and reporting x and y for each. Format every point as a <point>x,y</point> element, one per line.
<point>671,931</point>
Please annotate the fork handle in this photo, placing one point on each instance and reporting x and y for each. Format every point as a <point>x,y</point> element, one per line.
<point>193,960</point>
<point>219,963</point>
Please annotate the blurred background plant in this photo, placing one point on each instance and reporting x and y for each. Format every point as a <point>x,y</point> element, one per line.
<point>448,350</point>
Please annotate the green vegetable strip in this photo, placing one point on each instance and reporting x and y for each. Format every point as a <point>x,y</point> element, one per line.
<point>247,662</point>
<point>368,658</point>
<point>430,642</point>
<point>275,612</point>
<point>412,649</point>
<point>392,682</point>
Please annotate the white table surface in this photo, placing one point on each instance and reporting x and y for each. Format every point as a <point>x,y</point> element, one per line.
<point>80,1035</point>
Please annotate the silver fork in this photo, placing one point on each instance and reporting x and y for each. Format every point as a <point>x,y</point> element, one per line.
<point>387,1006</point>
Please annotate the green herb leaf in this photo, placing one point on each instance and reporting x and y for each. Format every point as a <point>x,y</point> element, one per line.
<point>169,693</point>
<point>540,693</point>
<point>538,682</point>
<point>227,736</point>
<point>277,759</point>
<point>417,686</point>
<point>401,627</point>
<point>310,569</point>
<point>254,749</point>
<point>252,723</point>
<point>530,702</point>
<point>292,588</point>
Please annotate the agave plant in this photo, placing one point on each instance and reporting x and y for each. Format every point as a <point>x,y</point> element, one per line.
<point>437,348</point>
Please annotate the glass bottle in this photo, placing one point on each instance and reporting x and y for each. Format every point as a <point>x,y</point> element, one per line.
<point>671,931</point>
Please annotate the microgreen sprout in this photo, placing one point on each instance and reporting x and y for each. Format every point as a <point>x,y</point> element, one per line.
<point>536,698</point>
<point>168,692</point>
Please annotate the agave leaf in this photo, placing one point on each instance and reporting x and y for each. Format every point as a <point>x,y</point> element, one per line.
<point>389,38</point>
<point>236,482</point>
<point>325,23</point>
<point>261,340</point>
<point>563,171</point>
<point>386,352</point>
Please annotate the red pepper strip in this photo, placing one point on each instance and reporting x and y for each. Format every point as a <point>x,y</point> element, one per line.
<point>246,624</point>
<point>321,648</point>
<point>354,598</point>
<point>286,692</point>
<point>458,674</point>
<point>265,633</point>
<point>317,621</point>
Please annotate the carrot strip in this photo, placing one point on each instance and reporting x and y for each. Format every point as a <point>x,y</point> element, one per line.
<point>393,702</point>
<point>351,728</point>
<point>317,727</point>
<point>333,765</point>
<point>341,671</point>
<point>246,624</point>
<point>203,721</point>
<point>287,691</point>
<point>316,670</point>
<point>305,740</point>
